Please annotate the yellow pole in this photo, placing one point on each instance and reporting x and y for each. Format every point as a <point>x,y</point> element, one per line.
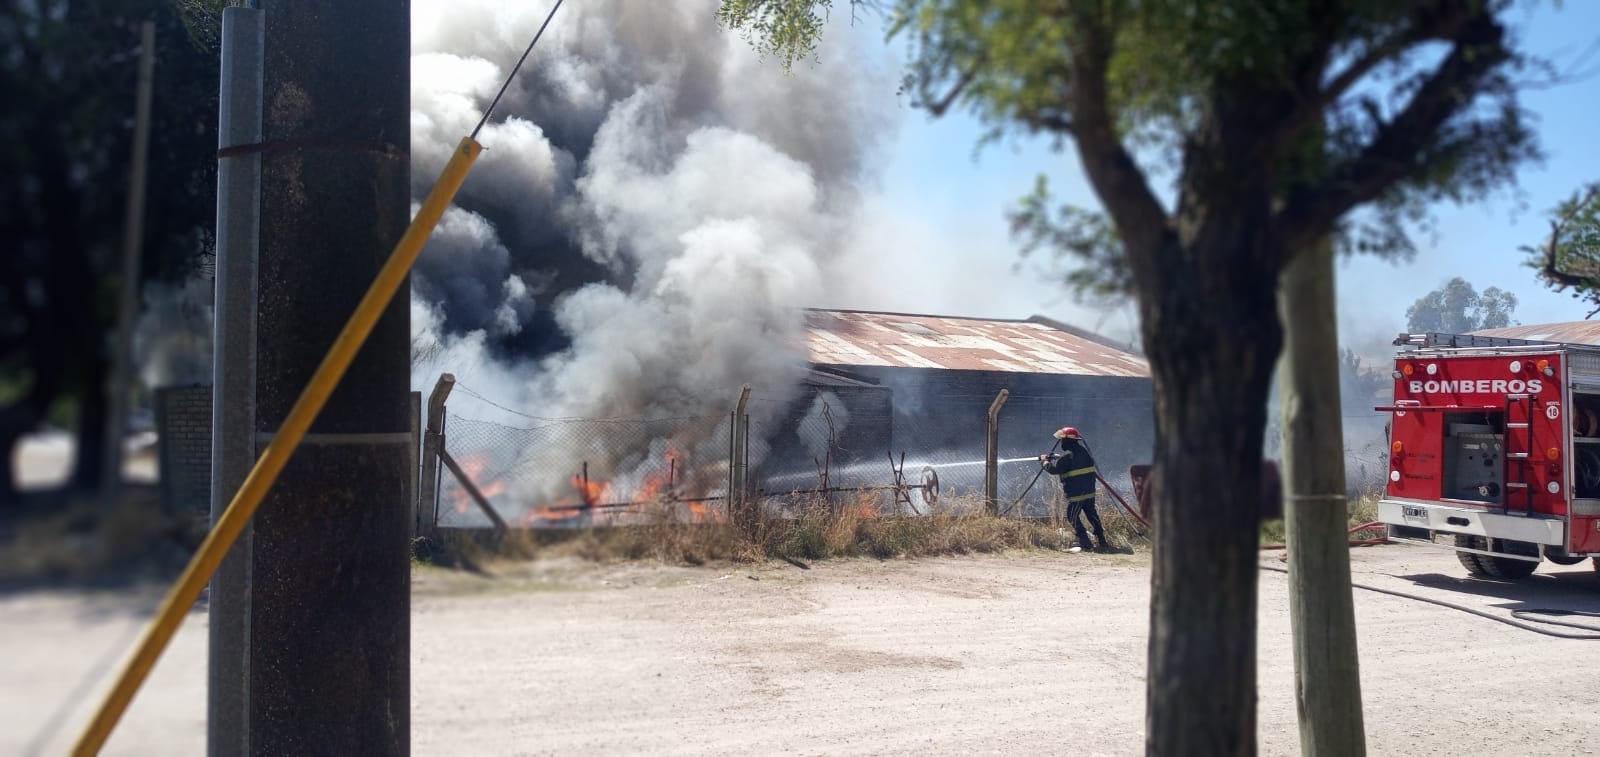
<point>282,446</point>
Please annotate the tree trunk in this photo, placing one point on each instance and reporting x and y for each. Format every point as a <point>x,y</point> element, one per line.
<point>25,414</point>
<point>92,412</point>
<point>15,420</point>
<point>1212,334</point>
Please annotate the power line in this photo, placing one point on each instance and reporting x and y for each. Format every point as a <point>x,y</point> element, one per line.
<point>514,70</point>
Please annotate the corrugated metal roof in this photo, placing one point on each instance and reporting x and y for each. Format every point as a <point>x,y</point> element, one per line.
<point>858,338</point>
<point>1569,332</point>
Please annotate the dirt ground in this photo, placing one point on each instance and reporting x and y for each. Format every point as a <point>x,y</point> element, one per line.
<point>1032,654</point>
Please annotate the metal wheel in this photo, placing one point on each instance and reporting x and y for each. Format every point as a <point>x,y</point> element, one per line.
<point>930,485</point>
<point>1504,568</point>
<point>1559,556</point>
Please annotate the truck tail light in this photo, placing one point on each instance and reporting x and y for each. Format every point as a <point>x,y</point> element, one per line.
<point>1396,447</point>
<point>1553,453</point>
<point>1544,367</point>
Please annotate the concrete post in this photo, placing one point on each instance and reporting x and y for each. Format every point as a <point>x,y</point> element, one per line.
<point>413,467</point>
<point>739,448</point>
<point>991,455</point>
<point>233,379</point>
<point>329,666</point>
<point>432,445</point>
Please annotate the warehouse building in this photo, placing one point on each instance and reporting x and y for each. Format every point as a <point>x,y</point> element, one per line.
<point>940,374</point>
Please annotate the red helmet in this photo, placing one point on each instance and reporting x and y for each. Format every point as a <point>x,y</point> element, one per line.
<point>1068,432</point>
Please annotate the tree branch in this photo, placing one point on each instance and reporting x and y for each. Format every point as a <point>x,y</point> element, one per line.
<point>938,107</point>
<point>1390,157</point>
<point>1551,245</point>
<point>1443,20</point>
<point>1118,181</point>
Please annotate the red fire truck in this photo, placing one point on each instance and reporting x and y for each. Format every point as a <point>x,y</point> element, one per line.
<point>1495,445</point>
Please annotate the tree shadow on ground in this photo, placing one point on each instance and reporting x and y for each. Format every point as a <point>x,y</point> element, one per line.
<point>1576,588</point>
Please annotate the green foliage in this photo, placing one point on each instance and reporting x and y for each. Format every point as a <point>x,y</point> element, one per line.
<point>1172,68</point>
<point>1072,231</point>
<point>787,29</point>
<point>1569,259</point>
<point>1457,308</point>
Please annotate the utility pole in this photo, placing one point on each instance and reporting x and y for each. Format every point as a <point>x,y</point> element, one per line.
<point>128,297</point>
<point>1327,670</point>
<point>233,380</point>
<point>316,658</point>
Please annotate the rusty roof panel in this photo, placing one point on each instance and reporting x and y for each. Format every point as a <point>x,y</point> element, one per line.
<point>847,337</point>
<point>1569,332</point>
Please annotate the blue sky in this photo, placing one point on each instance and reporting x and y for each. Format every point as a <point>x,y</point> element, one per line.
<point>959,203</point>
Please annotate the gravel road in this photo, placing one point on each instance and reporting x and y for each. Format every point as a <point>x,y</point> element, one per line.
<point>1032,654</point>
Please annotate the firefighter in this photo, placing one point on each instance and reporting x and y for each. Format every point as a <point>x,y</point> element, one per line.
<point>1075,467</point>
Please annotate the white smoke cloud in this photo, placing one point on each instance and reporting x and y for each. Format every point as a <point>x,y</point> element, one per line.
<point>172,334</point>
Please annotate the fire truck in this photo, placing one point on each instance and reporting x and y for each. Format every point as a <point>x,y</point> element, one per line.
<point>1494,450</point>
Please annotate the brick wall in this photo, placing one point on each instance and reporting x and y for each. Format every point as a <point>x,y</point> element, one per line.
<point>183,422</point>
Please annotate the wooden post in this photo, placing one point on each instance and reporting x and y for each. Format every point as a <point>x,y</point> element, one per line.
<point>1322,613</point>
<point>432,445</point>
<point>128,297</point>
<point>477,494</point>
<point>991,455</point>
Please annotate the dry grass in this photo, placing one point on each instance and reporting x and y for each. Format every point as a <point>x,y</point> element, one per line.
<point>72,537</point>
<point>818,530</point>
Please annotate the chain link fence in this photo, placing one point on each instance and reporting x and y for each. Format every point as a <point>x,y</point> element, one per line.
<point>1116,429</point>
<point>842,444</point>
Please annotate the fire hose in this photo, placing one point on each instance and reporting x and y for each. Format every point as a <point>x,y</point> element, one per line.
<point>1145,524</point>
<point>1035,480</point>
<point>1368,526</point>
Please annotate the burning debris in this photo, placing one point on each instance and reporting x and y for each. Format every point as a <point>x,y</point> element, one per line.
<point>669,480</point>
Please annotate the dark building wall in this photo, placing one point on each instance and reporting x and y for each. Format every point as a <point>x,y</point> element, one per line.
<point>862,426</point>
<point>942,414</point>
<point>183,430</point>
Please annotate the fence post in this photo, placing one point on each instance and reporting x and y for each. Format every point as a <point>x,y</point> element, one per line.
<point>432,445</point>
<point>738,448</point>
<point>991,455</point>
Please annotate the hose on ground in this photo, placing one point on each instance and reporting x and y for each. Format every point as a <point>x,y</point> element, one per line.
<point>1029,487</point>
<point>1024,493</point>
<point>1516,615</point>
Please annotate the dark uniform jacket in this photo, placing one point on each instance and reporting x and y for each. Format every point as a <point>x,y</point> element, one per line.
<point>1075,467</point>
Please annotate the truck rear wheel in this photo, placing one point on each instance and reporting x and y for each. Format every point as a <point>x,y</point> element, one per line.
<point>1505,568</point>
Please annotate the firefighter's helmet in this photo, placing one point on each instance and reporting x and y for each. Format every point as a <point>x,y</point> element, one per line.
<point>1068,432</point>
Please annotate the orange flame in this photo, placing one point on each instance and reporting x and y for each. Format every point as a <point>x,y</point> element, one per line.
<point>665,484</point>
<point>589,490</point>
<point>473,466</point>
